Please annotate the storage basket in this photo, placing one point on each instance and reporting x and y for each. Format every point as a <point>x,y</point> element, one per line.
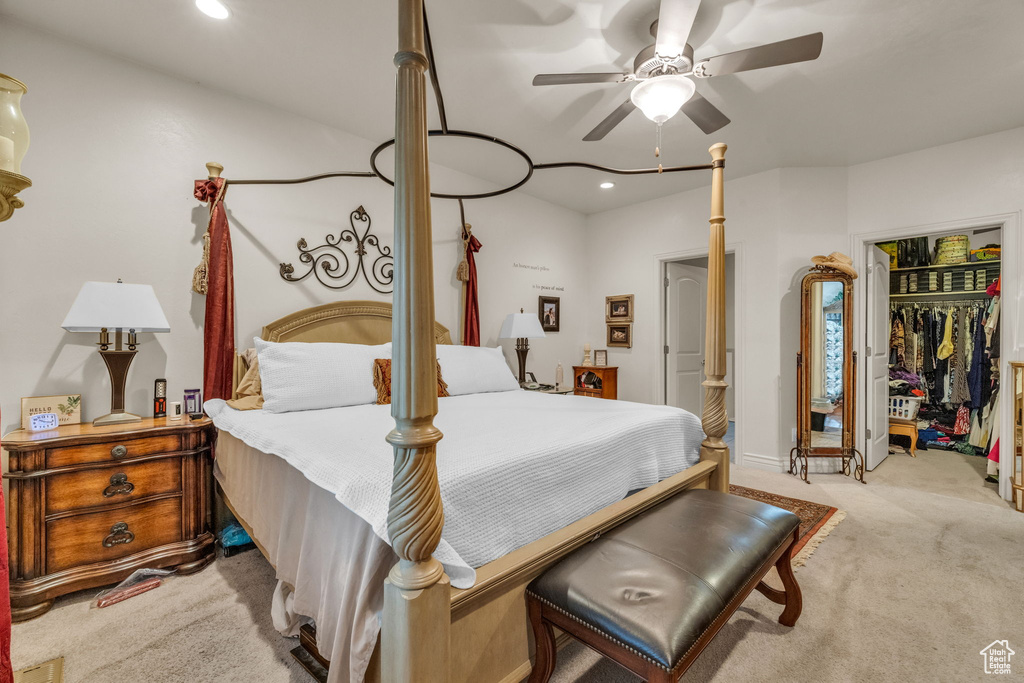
<point>904,407</point>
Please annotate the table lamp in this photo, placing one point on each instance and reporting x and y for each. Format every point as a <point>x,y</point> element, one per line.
<point>521,327</point>
<point>104,306</point>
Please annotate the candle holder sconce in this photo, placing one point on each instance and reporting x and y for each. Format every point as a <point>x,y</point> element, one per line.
<point>13,145</point>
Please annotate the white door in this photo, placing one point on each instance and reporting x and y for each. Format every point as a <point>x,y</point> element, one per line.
<point>876,367</point>
<point>685,300</point>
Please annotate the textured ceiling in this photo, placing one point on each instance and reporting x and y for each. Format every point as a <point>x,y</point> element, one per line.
<point>893,76</point>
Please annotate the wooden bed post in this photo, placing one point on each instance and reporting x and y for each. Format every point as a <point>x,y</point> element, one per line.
<point>714,419</point>
<point>416,624</point>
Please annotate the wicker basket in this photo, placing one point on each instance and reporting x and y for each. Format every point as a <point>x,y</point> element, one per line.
<point>904,407</point>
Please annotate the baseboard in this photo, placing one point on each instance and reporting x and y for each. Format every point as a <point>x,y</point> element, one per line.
<point>771,463</point>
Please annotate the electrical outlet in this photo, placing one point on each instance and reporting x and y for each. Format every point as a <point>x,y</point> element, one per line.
<point>793,439</point>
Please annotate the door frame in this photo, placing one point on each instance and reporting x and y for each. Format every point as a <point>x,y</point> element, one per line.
<point>1010,260</point>
<point>658,347</point>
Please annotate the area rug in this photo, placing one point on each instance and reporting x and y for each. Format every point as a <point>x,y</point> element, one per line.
<point>816,520</point>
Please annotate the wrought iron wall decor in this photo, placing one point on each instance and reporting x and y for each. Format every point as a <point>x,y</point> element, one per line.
<point>334,268</point>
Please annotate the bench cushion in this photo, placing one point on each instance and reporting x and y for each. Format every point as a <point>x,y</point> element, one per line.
<point>657,582</point>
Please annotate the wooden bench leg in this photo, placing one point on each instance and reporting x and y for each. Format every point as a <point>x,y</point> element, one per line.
<point>790,595</point>
<point>544,639</point>
<point>794,599</point>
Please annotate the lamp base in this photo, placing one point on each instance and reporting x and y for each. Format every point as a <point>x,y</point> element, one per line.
<point>115,418</point>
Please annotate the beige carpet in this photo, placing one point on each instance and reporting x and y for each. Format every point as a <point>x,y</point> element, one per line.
<point>923,573</point>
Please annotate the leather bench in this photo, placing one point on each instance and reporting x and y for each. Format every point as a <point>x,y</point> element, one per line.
<point>652,593</point>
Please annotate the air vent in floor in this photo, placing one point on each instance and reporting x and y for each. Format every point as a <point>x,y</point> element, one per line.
<point>47,672</point>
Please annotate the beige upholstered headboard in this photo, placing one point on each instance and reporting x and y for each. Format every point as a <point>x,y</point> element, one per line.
<point>351,322</point>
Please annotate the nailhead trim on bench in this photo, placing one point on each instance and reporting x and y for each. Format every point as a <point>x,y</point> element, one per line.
<point>599,632</point>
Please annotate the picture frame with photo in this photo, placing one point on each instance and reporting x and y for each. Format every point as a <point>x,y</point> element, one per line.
<point>618,309</point>
<point>550,312</point>
<point>620,335</point>
<point>601,358</point>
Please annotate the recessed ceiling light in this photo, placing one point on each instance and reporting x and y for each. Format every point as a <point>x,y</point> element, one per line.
<point>213,8</point>
<point>607,185</point>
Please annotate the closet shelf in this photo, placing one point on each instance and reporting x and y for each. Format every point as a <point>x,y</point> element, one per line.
<point>977,294</point>
<point>969,264</point>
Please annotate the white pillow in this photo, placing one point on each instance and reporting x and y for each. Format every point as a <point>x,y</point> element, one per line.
<point>474,369</point>
<point>314,375</point>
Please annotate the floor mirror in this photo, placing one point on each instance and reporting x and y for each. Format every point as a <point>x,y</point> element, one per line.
<point>826,369</point>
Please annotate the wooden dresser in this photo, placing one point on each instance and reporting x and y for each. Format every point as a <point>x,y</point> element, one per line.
<point>605,385</point>
<point>90,505</point>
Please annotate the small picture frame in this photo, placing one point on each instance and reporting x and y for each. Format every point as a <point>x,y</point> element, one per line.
<point>620,335</point>
<point>618,309</point>
<point>550,313</point>
<point>601,357</point>
<point>68,408</point>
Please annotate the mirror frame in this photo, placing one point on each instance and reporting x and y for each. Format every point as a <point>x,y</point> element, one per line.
<point>847,452</point>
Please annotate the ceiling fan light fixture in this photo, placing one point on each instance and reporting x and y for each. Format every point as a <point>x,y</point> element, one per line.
<point>659,98</point>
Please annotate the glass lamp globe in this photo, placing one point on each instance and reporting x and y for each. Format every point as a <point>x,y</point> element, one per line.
<point>13,129</point>
<point>659,98</point>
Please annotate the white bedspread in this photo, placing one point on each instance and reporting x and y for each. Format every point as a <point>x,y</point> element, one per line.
<point>513,466</point>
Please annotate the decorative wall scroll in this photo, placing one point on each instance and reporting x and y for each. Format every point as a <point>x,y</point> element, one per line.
<point>333,266</point>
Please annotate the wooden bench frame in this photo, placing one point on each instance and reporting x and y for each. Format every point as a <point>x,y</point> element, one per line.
<point>545,618</point>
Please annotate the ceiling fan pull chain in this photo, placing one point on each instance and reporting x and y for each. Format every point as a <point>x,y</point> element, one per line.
<point>657,145</point>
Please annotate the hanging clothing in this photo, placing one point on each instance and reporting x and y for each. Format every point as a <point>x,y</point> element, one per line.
<point>959,393</point>
<point>946,347</point>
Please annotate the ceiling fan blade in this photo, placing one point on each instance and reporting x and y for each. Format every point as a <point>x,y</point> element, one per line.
<point>802,49</point>
<point>612,120</point>
<point>707,116</point>
<point>675,20</point>
<point>566,79</point>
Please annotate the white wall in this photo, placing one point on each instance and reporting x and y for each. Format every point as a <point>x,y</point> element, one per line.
<point>115,148</point>
<point>777,221</point>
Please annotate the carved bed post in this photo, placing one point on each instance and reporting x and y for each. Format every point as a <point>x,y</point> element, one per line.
<point>714,418</point>
<point>417,596</point>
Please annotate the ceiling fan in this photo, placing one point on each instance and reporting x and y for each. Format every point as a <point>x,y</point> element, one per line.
<point>664,71</point>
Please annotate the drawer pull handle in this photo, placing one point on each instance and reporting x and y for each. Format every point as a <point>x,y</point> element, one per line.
<point>119,486</point>
<point>119,534</point>
<point>119,451</point>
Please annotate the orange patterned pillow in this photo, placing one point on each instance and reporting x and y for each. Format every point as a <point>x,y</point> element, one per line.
<point>382,381</point>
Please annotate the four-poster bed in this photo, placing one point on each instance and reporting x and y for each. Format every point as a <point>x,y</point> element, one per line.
<point>431,631</point>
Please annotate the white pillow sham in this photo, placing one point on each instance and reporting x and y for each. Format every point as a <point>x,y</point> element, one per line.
<point>313,375</point>
<point>474,370</point>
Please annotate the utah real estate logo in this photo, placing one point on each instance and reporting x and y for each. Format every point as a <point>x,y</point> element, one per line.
<point>997,657</point>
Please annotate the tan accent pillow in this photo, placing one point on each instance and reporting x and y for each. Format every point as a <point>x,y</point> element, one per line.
<point>250,390</point>
<point>382,381</point>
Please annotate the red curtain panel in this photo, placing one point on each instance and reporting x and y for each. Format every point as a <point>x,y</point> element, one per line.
<point>471,334</point>
<point>6,672</point>
<point>219,329</point>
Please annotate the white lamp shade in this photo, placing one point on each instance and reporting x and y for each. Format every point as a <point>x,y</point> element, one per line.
<point>114,305</point>
<point>520,325</point>
<point>659,98</point>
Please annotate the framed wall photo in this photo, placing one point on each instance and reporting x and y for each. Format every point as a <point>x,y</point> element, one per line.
<point>601,357</point>
<point>620,335</point>
<point>67,406</point>
<point>618,309</point>
<point>549,310</point>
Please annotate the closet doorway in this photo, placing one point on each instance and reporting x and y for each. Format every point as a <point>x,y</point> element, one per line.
<point>933,348</point>
<point>685,298</point>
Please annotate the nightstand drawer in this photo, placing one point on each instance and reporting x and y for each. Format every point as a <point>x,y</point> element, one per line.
<point>111,450</point>
<point>102,536</point>
<point>112,485</point>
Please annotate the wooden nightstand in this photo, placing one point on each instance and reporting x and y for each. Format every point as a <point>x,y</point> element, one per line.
<point>90,505</point>
<point>605,384</point>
